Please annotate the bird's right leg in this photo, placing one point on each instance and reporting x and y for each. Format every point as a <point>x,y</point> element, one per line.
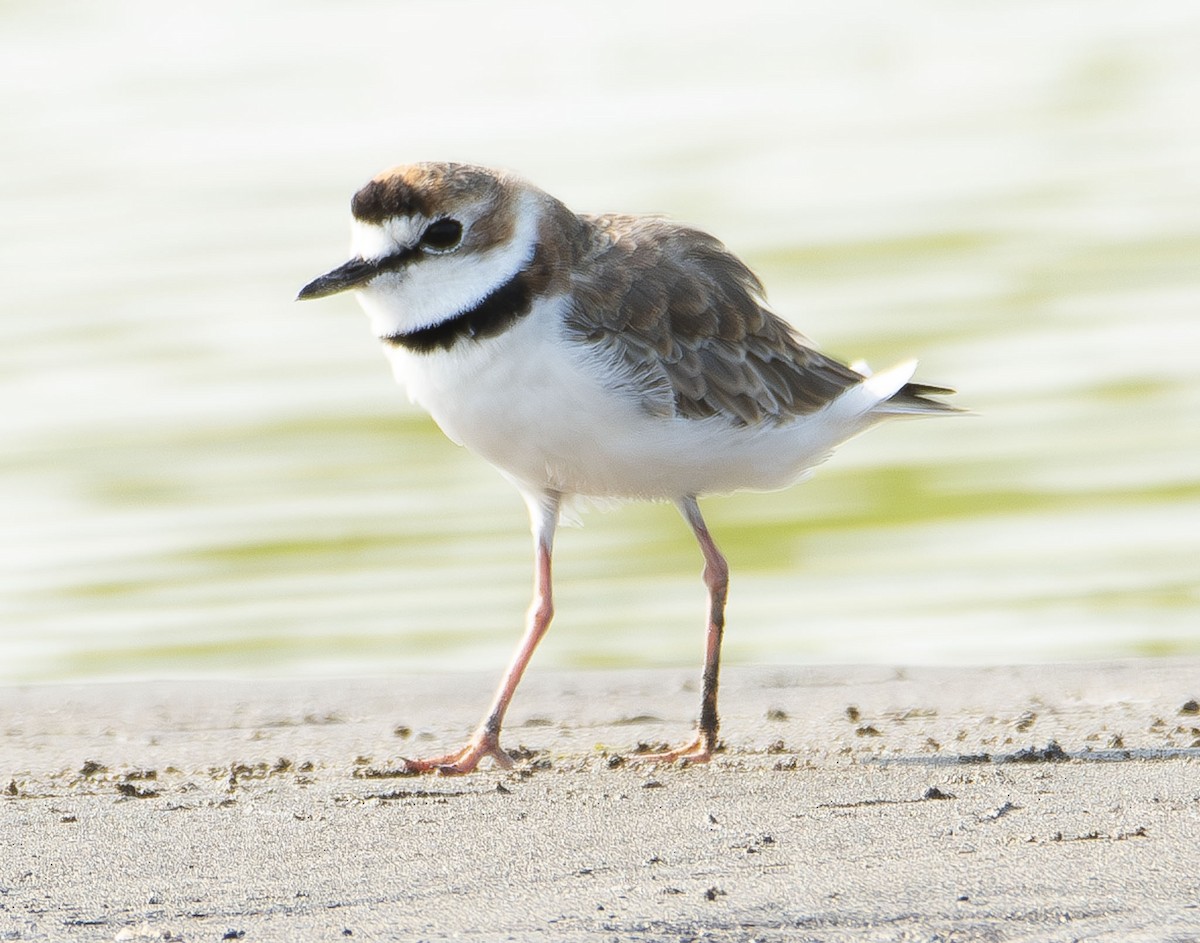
<point>543,514</point>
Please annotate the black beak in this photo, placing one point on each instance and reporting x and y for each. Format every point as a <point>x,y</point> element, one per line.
<point>352,274</point>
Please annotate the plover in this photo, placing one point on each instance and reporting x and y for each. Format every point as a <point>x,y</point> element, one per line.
<point>609,356</point>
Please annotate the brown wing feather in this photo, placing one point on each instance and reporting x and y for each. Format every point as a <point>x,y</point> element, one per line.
<point>682,319</point>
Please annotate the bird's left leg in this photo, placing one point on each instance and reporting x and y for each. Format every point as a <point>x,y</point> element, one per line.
<point>716,579</point>
<point>543,515</point>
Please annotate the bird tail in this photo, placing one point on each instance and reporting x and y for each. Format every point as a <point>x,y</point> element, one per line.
<point>892,393</point>
<point>912,399</point>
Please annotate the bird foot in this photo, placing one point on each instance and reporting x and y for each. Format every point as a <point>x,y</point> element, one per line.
<point>465,760</point>
<point>698,751</point>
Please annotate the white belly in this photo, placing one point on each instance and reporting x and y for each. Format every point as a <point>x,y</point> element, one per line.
<point>542,412</point>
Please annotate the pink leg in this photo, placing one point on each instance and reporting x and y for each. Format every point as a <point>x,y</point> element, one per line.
<point>716,579</point>
<point>543,512</point>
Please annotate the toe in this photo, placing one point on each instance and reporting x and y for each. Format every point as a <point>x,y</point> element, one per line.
<point>698,751</point>
<point>465,760</point>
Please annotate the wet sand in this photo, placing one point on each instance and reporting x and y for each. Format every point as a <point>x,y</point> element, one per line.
<point>1039,803</point>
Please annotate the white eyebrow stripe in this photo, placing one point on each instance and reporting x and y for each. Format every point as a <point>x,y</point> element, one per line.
<point>374,241</point>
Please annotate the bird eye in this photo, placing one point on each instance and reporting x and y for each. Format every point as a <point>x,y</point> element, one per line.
<point>441,235</point>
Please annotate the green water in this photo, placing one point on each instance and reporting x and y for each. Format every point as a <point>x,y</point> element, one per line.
<point>200,477</point>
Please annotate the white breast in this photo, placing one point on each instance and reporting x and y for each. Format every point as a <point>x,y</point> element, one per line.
<point>541,409</point>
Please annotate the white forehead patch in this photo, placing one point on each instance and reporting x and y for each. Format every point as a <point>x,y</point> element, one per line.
<point>376,241</point>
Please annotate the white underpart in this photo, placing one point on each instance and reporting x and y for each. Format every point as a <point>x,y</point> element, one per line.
<point>543,409</point>
<point>439,285</point>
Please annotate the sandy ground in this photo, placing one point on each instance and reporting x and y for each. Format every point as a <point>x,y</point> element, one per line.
<point>1045,803</point>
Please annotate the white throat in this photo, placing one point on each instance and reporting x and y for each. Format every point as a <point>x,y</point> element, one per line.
<point>433,288</point>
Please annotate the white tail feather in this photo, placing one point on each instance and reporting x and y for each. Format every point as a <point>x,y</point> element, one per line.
<point>867,397</point>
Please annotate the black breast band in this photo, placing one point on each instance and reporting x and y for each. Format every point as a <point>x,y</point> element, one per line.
<point>491,316</point>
